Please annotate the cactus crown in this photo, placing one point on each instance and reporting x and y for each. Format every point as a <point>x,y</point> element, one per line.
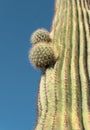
<point>42,55</point>
<point>40,35</point>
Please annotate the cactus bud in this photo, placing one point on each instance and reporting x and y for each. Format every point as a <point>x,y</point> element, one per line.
<point>40,35</point>
<point>41,55</point>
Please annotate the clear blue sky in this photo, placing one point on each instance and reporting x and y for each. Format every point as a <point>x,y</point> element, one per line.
<point>18,79</point>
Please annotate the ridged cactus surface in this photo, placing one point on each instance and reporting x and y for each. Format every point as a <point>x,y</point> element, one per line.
<point>64,89</point>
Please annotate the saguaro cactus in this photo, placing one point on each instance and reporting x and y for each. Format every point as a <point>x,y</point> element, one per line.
<point>64,89</point>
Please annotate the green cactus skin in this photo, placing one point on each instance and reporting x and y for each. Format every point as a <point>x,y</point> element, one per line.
<point>64,89</point>
<point>40,35</point>
<point>42,55</point>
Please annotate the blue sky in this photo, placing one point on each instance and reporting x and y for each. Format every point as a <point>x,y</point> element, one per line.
<point>18,79</point>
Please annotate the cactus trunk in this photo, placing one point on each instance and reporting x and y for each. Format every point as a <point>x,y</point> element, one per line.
<point>64,89</point>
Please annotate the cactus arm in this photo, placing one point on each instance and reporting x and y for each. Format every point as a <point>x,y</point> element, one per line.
<point>64,89</point>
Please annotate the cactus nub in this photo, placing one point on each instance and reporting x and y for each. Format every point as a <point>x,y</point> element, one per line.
<point>40,35</point>
<point>42,55</point>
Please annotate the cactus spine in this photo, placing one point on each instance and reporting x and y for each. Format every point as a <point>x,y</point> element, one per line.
<point>64,89</point>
